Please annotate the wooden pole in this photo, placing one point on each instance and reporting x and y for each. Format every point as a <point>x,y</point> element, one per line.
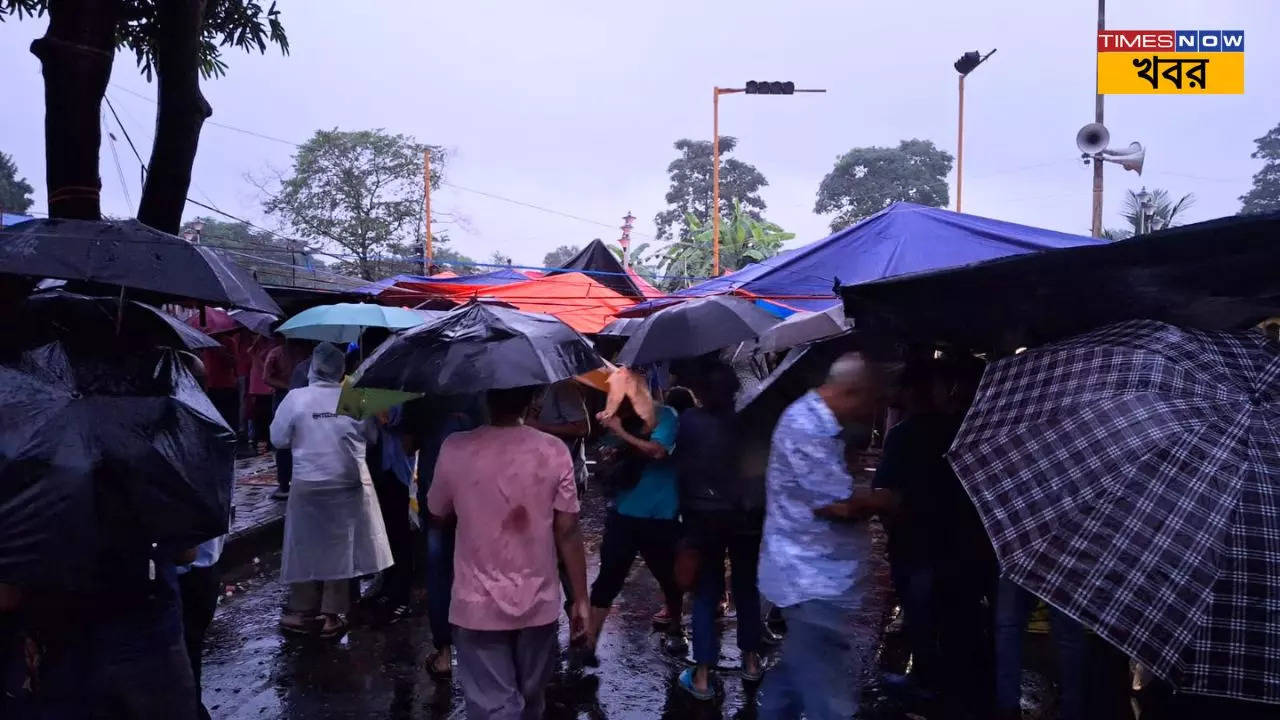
<point>1097,117</point>
<point>960,149</point>
<point>715,182</point>
<point>427,253</point>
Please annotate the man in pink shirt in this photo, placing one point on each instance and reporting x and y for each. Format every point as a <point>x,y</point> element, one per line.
<point>512,490</point>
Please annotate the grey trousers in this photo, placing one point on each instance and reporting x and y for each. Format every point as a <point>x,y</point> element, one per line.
<point>504,673</point>
<point>331,597</point>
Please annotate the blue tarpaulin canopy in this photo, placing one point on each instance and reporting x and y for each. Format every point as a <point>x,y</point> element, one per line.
<point>903,238</point>
<point>7,219</point>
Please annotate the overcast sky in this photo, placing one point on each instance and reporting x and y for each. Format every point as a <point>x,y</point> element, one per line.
<point>573,105</point>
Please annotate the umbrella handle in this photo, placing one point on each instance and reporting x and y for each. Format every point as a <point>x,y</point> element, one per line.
<point>120,311</point>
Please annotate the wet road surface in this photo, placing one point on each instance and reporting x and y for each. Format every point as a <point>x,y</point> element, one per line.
<point>252,671</point>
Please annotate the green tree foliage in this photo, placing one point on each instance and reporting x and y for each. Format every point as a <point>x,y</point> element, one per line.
<point>273,260</point>
<point>15,192</point>
<point>866,180</point>
<point>690,192</point>
<point>743,240</point>
<point>1166,213</point>
<point>1264,196</point>
<point>177,42</point>
<point>361,192</point>
<point>561,255</point>
<point>450,259</point>
<point>497,258</point>
<point>242,24</point>
<point>642,261</point>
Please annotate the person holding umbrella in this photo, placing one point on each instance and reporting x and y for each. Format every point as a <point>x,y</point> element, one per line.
<point>333,526</point>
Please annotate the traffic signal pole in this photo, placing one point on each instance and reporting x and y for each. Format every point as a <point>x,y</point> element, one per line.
<point>752,88</point>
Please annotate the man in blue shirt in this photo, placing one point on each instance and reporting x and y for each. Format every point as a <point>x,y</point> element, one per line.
<point>642,521</point>
<point>816,570</point>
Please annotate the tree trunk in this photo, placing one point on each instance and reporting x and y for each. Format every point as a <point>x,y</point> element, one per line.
<point>75,57</point>
<point>180,114</point>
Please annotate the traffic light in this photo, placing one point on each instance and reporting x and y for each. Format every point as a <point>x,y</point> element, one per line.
<point>968,62</point>
<point>767,87</point>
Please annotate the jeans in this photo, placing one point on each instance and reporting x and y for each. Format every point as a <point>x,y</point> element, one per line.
<point>821,670</point>
<point>717,534</point>
<point>440,542</point>
<point>624,538</point>
<point>1013,606</point>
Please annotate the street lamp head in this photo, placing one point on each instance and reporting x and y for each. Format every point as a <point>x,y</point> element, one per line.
<point>1144,198</point>
<point>968,62</point>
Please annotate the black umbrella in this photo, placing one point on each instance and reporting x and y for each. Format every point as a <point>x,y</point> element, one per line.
<point>621,328</point>
<point>694,328</point>
<point>128,254</point>
<point>52,314</point>
<point>257,322</point>
<point>101,448</point>
<point>1131,477</point>
<point>479,347</point>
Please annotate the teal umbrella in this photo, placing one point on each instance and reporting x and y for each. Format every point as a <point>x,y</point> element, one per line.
<point>343,322</point>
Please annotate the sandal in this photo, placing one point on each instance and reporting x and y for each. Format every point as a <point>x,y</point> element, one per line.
<point>335,631</point>
<point>752,676</point>
<point>685,681</point>
<point>297,624</point>
<point>435,673</point>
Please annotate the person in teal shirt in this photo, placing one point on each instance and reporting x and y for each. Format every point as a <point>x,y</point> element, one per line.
<point>643,521</point>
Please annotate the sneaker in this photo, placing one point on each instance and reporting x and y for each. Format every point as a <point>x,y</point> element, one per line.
<point>280,494</point>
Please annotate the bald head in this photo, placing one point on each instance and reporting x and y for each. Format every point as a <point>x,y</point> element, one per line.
<point>853,389</point>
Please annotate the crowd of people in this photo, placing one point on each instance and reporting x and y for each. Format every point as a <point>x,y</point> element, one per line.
<point>475,500</point>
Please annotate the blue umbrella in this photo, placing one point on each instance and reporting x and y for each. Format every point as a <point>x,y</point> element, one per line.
<point>343,322</point>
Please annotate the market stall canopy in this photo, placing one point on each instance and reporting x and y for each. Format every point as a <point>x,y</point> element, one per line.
<point>404,288</point>
<point>580,301</point>
<point>901,239</point>
<point>598,261</point>
<point>1213,275</point>
<point>127,254</point>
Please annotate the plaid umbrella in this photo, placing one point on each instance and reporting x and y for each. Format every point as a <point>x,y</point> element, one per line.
<point>1131,477</point>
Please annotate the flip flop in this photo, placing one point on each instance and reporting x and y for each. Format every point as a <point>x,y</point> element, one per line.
<point>438,675</point>
<point>686,684</point>
<point>302,626</point>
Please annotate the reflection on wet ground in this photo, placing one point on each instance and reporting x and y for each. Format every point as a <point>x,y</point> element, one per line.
<point>252,671</point>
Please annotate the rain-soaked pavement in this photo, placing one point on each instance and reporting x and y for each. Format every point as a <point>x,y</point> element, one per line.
<point>252,671</point>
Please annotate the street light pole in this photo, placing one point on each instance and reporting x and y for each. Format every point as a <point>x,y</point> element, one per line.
<point>960,149</point>
<point>965,65</point>
<point>753,88</point>
<point>1097,117</point>
<point>427,250</point>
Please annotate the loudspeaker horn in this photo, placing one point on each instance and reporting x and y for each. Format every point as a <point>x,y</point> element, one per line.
<point>1093,138</point>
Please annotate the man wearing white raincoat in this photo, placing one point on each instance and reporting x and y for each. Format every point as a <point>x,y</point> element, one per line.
<point>333,529</point>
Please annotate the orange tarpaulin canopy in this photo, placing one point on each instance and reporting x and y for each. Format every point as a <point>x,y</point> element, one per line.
<point>577,300</point>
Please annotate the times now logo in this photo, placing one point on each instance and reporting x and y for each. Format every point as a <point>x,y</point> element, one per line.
<point>1171,40</point>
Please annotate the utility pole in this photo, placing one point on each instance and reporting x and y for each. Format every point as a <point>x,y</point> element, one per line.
<point>1097,117</point>
<point>426,212</point>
